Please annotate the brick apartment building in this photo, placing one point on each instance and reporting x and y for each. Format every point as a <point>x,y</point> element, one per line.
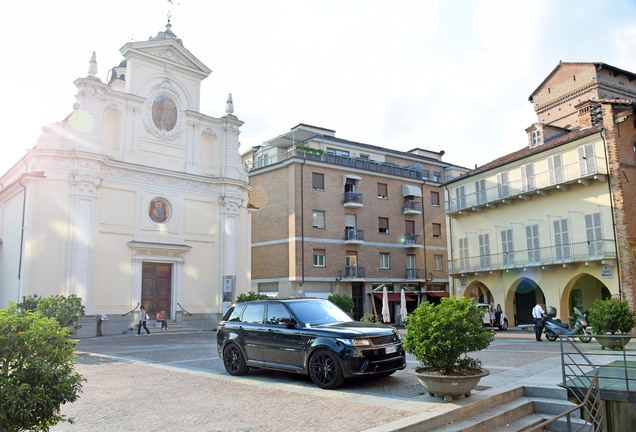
<point>339,217</point>
<point>553,222</point>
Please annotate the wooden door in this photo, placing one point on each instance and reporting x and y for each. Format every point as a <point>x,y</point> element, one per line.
<point>156,286</point>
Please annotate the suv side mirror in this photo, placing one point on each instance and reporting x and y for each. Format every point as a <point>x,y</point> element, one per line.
<point>288,322</point>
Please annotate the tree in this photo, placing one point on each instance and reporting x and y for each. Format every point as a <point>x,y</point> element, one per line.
<point>67,311</point>
<point>251,296</point>
<point>37,370</point>
<point>344,302</point>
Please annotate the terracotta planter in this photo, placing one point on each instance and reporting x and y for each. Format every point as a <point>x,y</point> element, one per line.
<point>613,342</point>
<point>448,386</point>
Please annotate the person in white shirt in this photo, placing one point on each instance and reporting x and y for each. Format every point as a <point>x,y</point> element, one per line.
<point>537,314</point>
<point>143,316</point>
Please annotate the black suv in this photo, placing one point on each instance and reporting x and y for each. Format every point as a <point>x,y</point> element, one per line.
<point>308,336</point>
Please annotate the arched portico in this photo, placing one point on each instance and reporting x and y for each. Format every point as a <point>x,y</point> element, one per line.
<point>581,292</point>
<point>523,295</point>
<point>479,292</point>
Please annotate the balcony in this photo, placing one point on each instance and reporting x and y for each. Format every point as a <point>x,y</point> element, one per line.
<point>583,252</point>
<point>272,155</point>
<point>353,199</point>
<point>412,273</point>
<point>354,272</point>
<point>412,241</point>
<point>412,207</point>
<point>538,184</point>
<point>353,236</point>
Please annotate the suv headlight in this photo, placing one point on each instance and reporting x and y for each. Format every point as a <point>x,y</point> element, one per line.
<point>355,342</point>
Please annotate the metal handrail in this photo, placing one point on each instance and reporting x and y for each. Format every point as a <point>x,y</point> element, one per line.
<point>131,311</point>
<point>575,367</point>
<point>582,405</point>
<point>179,304</point>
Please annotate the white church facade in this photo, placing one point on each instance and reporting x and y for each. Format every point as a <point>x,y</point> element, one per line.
<point>135,198</point>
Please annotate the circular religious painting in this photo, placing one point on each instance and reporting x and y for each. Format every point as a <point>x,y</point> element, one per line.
<point>164,112</point>
<point>159,210</point>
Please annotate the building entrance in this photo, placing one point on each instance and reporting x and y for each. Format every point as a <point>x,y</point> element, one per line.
<point>156,286</point>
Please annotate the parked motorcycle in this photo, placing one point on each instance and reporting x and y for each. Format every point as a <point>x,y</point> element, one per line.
<point>553,328</point>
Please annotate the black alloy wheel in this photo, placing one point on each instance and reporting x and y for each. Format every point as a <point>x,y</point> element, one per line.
<point>551,337</point>
<point>325,370</point>
<point>234,361</point>
<point>504,326</point>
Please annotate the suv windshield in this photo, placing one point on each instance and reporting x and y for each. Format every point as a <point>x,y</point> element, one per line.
<point>315,312</point>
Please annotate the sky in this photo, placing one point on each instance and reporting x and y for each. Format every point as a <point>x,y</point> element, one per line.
<point>452,75</point>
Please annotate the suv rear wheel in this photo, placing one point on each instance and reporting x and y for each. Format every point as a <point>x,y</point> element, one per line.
<point>325,370</point>
<point>234,361</point>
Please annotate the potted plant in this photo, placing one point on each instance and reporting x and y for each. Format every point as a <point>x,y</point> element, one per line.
<point>611,317</point>
<point>440,336</point>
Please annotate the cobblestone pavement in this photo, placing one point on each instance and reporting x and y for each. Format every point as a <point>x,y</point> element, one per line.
<point>176,382</point>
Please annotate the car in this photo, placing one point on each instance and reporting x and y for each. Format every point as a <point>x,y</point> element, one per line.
<point>501,321</point>
<point>310,336</point>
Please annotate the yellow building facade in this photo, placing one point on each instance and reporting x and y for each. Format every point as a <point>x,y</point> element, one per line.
<point>551,223</point>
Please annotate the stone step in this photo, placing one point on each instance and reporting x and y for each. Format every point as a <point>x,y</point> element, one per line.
<point>449,413</point>
<point>493,418</point>
<point>553,407</point>
<point>561,425</point>
<point>514,409</point>
<point>522,424</point>
<point>155,327</point>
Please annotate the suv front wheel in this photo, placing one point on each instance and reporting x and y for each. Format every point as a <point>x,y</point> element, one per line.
<point>234,361</point>
<point>325,370</point>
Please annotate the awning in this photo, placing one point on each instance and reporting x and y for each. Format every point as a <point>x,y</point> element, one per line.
<point>352,177</point>
<point>410,190</point>
<point>395,297</point>
<point>436,293</point>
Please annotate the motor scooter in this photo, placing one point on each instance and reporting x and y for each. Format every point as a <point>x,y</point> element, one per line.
<point>553,328</point>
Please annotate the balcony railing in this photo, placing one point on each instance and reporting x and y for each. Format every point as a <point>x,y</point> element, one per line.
<point>354,235</point>
<point>551,179</point>
<point>267,157</point>
<point>551,255</point>
<point>412,240</point>
<point>353,198</point>
<point>412,207</point>
<point>412,273</point>
<point>354,272</point>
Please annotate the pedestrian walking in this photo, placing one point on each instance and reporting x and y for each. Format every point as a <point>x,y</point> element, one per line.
<point>143,316</point>
<point>491,313</point>
<point>161,317</point>
<point>537,316</point>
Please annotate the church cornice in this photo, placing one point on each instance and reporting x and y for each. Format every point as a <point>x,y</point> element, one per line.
<point>159,249</point>
<point>83,165</point>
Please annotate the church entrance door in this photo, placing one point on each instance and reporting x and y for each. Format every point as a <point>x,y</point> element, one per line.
<point>156,284</point>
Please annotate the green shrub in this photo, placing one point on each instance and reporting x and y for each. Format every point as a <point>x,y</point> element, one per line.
<point>440,336</point>
<point>611,316</point>
<point>368,317</point>
<point>344,302</point>
<point>251,296</point>
<point>67,311</point>
<point>30,302</point>
<point>37,376</point>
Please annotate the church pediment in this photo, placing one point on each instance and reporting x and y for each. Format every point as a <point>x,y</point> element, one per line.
<point>166,47</point>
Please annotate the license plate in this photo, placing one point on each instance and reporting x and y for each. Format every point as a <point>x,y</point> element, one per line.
<point>391,349</point>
